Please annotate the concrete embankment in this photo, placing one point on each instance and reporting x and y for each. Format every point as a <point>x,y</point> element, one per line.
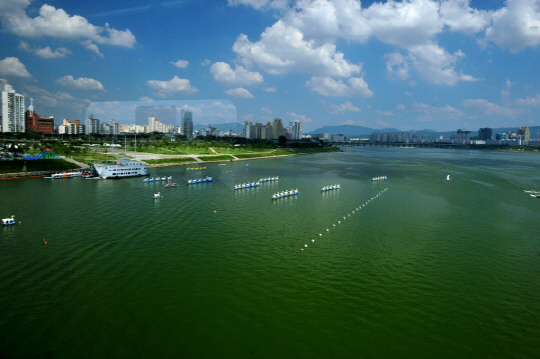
<point>27,174</point>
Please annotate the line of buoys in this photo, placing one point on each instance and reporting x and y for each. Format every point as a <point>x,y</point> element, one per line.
<point>339,222</point>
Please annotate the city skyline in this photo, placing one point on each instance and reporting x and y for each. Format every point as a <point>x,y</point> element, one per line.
<point>409,65</point>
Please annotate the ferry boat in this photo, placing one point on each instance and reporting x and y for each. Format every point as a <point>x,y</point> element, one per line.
<point>8,221</point>
<point>124,167</point>
<point>330,188</point>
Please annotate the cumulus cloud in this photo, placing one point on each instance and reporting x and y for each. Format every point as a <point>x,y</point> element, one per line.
<point>181,64</point>
<point>82,83</point>
<point>282,49</point>
<point>11,66</point>
<point>239,92</point>
<point>146,99</point>
<point>57,23</point>
<point>174,86</point>
<point>270,89</point>
<point>516,26</point>
<point>327,86</point>
<point>224,74</point>
<point>460,17</point>
<point>344,107</point>
<point>45,52</point>
<point>89,45</point>
<point>206,62</point>
<point>266,110</point>
<point>401,107</point>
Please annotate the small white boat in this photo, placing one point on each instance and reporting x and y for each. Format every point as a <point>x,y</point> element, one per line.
<point>157,195</point>
<point>448,178</point>
<point>8,221</point>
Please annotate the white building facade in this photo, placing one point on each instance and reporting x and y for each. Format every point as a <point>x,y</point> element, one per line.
<point>12,111</point>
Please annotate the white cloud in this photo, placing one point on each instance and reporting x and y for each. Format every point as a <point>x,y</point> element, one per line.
<point>431,113</point>
<point>45,52</point>
<point>344,107</point>
<point>516,26</point>
<point>181,64</point>
<point>489,108</point>
<point>401,107</point>
<point>173,86</point>
<point>247,117</point>
<point>299,118</point>
<point>270,89</point>
<point>82,83</point>
<point>46,99</point>
<point>57,23</point>
<point>89,45</point>
<point>146,99</point>
<point>384,113</point>
<point>223,73</point>
<point>327,86</point>
<point>206,62</point>
<point>239,92</point>
<point>282,49</point>
<point>11,66</point>
<point>397,65</point>
<point>529,101</point>
<point>266,110</point>
<point>259,4</point>
<point>383,124</point>
<point>460,17</point>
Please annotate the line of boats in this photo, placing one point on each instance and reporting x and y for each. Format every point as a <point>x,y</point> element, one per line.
<point>292,192</point>
<point>533,193</point>
<point>381,178</point>
<point>157,179</point>
<point>255,184</point>
<point>196,168</point>
<point>330,188</point>
<point>206,179</point>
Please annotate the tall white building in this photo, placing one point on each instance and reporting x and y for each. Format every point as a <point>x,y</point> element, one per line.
<point>92,125</point>
<point>187,124</point>
<point>296,130</point>
<point>12,111</point>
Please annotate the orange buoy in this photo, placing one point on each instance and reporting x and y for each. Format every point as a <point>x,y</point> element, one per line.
<point>214,211</point>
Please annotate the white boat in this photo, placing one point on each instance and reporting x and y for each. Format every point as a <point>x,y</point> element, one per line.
<point>448,178</point>
<point>157,195</point>
<point>124,167</point>
<point>8,221</point>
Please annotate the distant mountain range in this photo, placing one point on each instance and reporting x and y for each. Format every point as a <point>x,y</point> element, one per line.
<point>360,131</point>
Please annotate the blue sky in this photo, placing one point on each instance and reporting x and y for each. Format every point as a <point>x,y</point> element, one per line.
<point>410,65</point>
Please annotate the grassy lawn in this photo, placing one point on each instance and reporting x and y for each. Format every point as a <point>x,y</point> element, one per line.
<point>217,158</point>
<point>171,160</point>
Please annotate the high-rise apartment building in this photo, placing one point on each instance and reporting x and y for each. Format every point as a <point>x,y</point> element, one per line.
<point>187,123</point>
<point>463,135</point>
<point>278,129</point>
<point>485,134</point>
<point>12,110</point>
<point>525,133</point>
<point>92,125</point>
<point>296,130</point>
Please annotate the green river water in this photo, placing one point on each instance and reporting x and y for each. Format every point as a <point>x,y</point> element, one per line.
<point>430,268</point>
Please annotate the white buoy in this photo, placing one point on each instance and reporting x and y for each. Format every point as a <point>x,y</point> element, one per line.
<point>349,215</point>
<point>339,222</point>
<point>305,245</point>
<point>320,234</point>
<point>333,225</point>
<point>327,229</point>
<point>313,240</point>
<point>344,217</point>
